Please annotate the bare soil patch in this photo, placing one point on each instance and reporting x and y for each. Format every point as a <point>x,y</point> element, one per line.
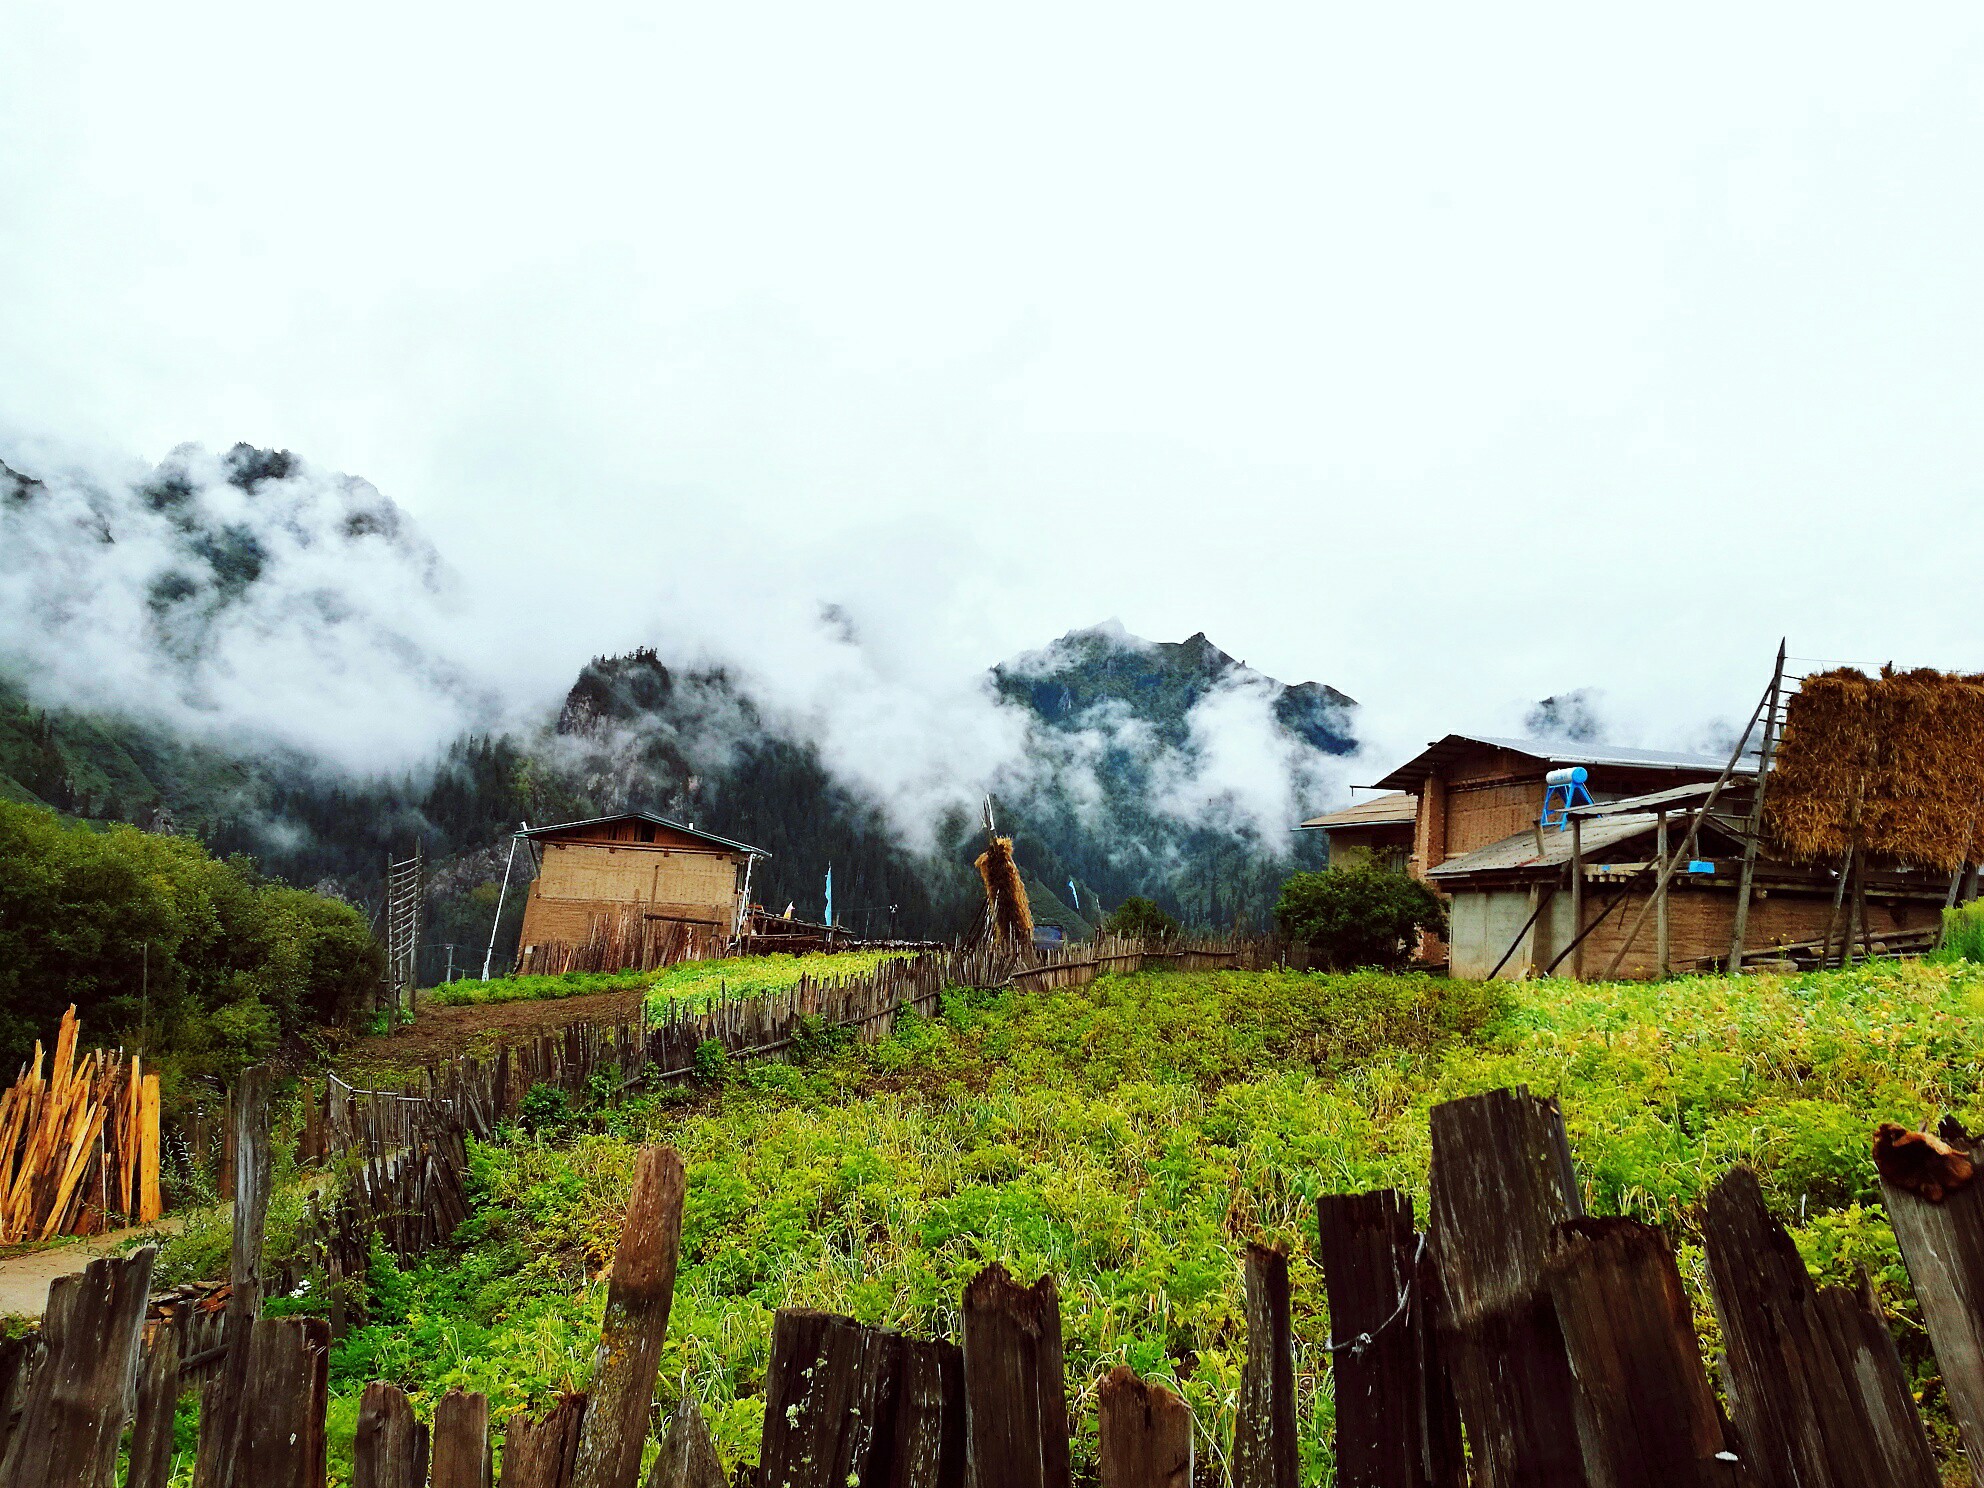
<point>439,1033</point>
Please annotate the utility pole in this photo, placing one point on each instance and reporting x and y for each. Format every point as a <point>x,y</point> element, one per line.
<point>501,894</point>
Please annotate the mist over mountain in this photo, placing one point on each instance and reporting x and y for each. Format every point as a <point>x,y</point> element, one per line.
<point>275,658</point>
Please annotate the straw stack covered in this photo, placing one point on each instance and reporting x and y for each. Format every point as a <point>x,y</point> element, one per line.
<point>1005,895</point>
<point>1893,764</point>
<point>78,1146</point>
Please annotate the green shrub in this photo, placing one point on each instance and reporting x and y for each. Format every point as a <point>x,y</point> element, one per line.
<point>1359,916</point>
<point>1963,933</point>
<point>1140,919</point>
<point>544,1109</point>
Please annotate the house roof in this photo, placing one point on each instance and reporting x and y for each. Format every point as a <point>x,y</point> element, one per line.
<point>1390,809</point>
<point>1553,752</point>
<point>1520,851</point>
<point>1672,796</point>
<point>647,816</point>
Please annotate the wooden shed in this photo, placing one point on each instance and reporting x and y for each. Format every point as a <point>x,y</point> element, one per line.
<point>637,878</point>
<point>1378,831</point>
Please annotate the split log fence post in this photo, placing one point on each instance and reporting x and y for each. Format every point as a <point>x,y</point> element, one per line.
<point>1264,1441</point>
<point>1943,1247</point>
<point>224,1420</point>
<point>390,1449</point>
<point>1144,1434</point>
<point>541,1453</point>
<point>1017,1409</point>
<point>460,1442</point>
<point>688,1457</point>
<point>17,1360</point>
<point>638,1297</point>
<point>829,1402</point>
<point>80,1394</point>
<point>1814,1383</point>
<point>930,1436</point>
<point>1501,1177</point>
<point>279,1442</point>
<point>158,1402</point>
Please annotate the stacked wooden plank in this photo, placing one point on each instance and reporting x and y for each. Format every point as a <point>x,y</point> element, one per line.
<point>79,1144</point>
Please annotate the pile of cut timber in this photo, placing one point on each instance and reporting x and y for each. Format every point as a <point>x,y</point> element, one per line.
<point>79,1146</point>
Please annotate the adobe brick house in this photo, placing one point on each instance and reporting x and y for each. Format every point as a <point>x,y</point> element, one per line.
<point>634,866</point>
<point>1377,831</point>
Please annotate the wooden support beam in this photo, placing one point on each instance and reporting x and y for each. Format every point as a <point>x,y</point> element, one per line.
<point>1663,958</point>
<point>1145,1434</point>
<point>1265,1450</point>
<point>1017,1410</point>
<point>1577,899</point>
<point>80,1393</point>
<point>1753,828</point>
<point>638,1296</point>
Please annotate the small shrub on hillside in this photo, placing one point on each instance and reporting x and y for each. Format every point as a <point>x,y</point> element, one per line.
<point>1359,916</point>
<point>1963,933</point>
<point>544,1109</point>
<point>1140,919</point>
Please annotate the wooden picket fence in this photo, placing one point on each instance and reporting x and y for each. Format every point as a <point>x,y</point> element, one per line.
<point>486,1090</point>
<point>79,1145</point>
<point>1517,1341</point>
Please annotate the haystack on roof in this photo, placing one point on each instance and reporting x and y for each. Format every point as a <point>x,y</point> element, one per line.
<point>1893,764</point>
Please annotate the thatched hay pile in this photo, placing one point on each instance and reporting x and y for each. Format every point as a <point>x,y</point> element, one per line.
<point>1010,916</point>
<point>1893,764</point>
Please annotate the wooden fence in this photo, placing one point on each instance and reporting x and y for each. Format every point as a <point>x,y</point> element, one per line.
<point>79,1145</point>
<point>682,1040</point>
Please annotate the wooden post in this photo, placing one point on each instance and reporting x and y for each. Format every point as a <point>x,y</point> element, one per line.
<point>1649,1416</point>
<point>688,1457</point>
<point>223,1419</point>
<point>1755,826</point>
<point>17,1361</point>
<point>158,1402</point>
<point>1577,898</point>
<point>829,1402</point>
<point>279,1437</point>
<point>1832,920</point>
<point>1815,1387</point>
<point>540,1454</point>
<point>1395,1421</point>
<point>390,1450</point>
<point>461,1442</point>
<point>1016,1404</point>
<point>1943,1247</point>
<point>80,1394</point>
<point>1501,1177</point>
<point>930,1442</point>
<point>1265,1450</point>
<point>1145,1434</point>
<point>638,1296</point>
<point>1662,959</point>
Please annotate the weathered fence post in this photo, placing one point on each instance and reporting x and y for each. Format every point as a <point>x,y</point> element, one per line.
<point>1814,1383</point>
<point>158,1401</point>
<point>830,1392</point>
<point>17,1360</point>
<point>81,1392</point>
<point>222,1420</point>
<point>540,1454</point>
<point>1501,1177</point>
<point>929,1446</point>
<point>1396,1425</point>
<point>1649,1416</point>
<point>688,1457</point>
<point>280,1434</point>
<point>390,1450</point>
<point>1942,1244</point>
<point>1017,1409</point>
<point>460,1453</point>
<point>638,1296</point>
<point>1264,1441</point>
<point>1145,1434</point>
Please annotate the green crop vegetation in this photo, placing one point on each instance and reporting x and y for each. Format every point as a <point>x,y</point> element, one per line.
<point>1131,1135</point>
<point>748,975</point>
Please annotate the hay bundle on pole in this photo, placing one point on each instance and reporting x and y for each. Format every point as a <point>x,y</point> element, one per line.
<point>1890,765</point>
<point>1009,915</point>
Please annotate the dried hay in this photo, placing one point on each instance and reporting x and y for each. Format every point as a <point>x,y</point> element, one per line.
<point>1893,764</point>
<point>1009,914</point>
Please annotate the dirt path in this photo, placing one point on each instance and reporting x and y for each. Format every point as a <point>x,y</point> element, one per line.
<point>439,1032</point>
<point>24,1277</point>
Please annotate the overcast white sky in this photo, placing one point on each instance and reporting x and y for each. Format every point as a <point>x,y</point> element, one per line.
<point>1449,354</point>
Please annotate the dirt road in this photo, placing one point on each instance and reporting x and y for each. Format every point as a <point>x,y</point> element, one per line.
<point>24,1277</point>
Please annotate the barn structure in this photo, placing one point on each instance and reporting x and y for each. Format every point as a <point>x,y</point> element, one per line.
<point>1540,885</point>
<point>634,889</point>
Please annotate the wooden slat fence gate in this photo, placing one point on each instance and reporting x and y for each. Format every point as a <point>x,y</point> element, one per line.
<point>1558,1346</point>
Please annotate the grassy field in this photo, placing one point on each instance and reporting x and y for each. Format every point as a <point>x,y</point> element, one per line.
<point>687,979</point>
<point>1131,1135</point>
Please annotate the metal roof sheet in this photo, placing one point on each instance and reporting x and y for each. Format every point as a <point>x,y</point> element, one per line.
<point>646,816</point>
<point>1553,752</point>
<point>1520,851</point>
<point>1379,811</point>
<point>1653,800</point>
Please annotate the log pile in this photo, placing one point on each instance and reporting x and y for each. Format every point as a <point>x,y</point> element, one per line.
<point>78,1145</point>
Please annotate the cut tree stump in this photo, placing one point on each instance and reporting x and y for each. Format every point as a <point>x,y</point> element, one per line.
<point>638,1296</point>
<point>1265,1450</point>
<point>1501,1177</point>
<point>1017,1409</point>
<point>1145,1434</point>
<point>1814,1383</point>
<point>81,1391</point>
<point>1649,1413</point>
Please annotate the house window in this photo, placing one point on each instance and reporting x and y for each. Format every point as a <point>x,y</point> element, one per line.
<point>647,831</point>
